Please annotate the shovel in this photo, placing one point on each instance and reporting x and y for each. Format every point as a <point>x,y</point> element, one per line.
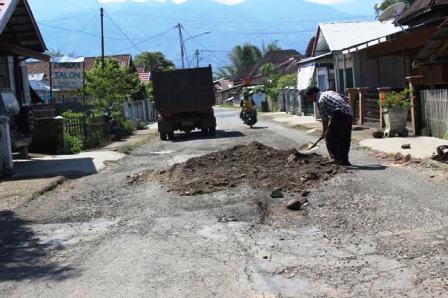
<point>310,146</point>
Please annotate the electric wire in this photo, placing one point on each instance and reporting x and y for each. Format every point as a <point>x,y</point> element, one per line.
<point>124,34</point>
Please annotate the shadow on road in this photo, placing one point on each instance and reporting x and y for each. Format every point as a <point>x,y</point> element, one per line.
<point>197,135</point>
<point>38,168</point>
<point>367,168</point>
<point>22,256</point>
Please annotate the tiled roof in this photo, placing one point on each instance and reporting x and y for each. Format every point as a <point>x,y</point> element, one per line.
<point>343,35</point>
<point>144,77</point>
<point>38,67</point>
<point>275,57</point>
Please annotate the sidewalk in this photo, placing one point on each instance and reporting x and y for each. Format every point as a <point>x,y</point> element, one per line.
<point>421,147</point>
<point>37,175</point>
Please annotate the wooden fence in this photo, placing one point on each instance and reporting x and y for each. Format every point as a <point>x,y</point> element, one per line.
<point>435,111</point>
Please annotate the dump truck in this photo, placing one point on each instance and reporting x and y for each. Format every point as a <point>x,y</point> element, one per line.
<point>184,100</point>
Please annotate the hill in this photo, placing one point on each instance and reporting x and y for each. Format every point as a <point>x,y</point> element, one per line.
<point>151,26</point>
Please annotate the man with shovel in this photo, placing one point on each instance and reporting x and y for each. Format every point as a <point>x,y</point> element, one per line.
<point>337,120</point>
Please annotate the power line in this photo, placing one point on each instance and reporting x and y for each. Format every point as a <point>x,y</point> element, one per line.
<point>124,34</point>
<point>148,39</point>
<point>80,31</point>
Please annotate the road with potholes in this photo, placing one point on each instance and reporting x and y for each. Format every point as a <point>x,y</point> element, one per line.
<point>373,231</point>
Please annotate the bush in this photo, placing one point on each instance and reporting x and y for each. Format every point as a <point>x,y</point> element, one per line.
<point>71,114</point>
<point>141,125</point>
<point>127,126</point>
<point>72,144</point>
<point>392,100</point>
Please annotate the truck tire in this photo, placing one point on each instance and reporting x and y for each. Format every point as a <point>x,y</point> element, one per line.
<point>212,132</point>
<point>163,136</point>
<point>170,135</point>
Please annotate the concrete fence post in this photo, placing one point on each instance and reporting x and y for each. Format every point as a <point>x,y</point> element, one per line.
<point>6,161</point>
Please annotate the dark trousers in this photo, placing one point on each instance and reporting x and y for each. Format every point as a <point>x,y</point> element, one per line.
<point>339,136</point>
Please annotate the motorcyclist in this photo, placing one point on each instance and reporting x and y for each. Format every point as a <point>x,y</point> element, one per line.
<point>246,104</point>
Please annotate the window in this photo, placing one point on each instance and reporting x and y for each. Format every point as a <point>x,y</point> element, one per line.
<point>5,82</point>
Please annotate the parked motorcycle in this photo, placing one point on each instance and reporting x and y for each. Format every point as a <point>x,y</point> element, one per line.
<point>250,117</point>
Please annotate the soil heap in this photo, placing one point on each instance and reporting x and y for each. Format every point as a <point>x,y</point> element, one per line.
<point>256,164</point>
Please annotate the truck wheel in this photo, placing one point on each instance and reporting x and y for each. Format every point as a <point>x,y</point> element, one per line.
<point>212,132</point>
<point>204,132</point>
<point>163,136</point>
<point>170,135</point>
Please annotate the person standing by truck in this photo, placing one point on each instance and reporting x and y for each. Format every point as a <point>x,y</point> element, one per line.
<point>337,121</point>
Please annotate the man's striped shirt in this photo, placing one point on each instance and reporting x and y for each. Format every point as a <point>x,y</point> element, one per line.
<point>331,102</point>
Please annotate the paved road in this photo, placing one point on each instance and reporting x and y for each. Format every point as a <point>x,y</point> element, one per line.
<point>371,232</point>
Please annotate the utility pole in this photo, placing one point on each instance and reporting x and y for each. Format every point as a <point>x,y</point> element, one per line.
<point>181,40</point>
<point>197,58</point>
<point>102,37</point>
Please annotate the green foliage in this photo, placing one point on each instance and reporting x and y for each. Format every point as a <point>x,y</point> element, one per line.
<point>395,99</point>
<point>110,86</point>
<point>245,55</point>
<point>445,136</point>
<point>71,114</point>
<point>289,80</point>
<point>127,126</point>
<point>141,125</point>
<point>149,89</point>
<point>72,144</point>
<point>225,72</point>
<point>380,7</point>
<point>154,61</point>
<point>97,139</point>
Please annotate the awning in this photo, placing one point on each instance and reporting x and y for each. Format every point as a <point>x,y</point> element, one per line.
<point>436,49</point>
<point>315,59</point>
<point>305,76</point>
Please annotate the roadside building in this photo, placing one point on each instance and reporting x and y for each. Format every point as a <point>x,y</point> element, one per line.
<point>66,77</point>
<point>20,39</point>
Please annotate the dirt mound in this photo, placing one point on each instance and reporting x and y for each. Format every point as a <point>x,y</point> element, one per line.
<point>259,165</point>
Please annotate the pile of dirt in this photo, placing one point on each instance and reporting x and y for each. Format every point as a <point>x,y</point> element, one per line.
<point>256,164</point>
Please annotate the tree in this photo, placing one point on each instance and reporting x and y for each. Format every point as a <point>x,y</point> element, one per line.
<point>271,46</point>
<point>270,75</point>
<point>110,86</point>
<point>245,55</point>
<point>57,53</point>
<point>227,72</point>
<point>380,7</point>
<point>154,61</point>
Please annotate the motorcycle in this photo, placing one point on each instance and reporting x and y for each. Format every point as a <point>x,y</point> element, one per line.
<point>250,117</point>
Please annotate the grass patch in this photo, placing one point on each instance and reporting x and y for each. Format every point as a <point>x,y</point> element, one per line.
<point>129,148</point>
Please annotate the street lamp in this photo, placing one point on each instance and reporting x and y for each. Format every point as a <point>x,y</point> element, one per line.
<point>183,45</point>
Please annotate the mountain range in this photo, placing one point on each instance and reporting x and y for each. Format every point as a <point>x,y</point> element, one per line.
<point>130,27</point>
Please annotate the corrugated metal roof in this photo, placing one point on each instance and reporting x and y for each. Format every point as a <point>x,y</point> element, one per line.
<point>343,35</point>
